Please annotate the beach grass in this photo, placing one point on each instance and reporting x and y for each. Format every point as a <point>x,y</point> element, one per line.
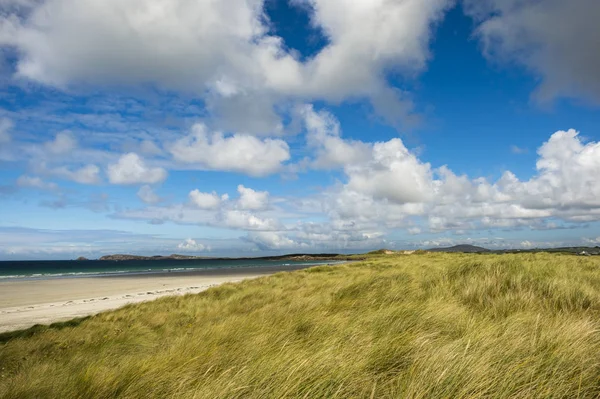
<point>393,326</point>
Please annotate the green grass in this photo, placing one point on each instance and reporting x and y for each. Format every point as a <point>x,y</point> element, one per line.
<point>402,326</point>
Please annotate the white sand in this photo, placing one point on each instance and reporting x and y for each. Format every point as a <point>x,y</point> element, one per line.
<point>26,303</point>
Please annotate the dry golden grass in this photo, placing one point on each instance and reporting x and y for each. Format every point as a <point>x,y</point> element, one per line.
<point>413,326</point>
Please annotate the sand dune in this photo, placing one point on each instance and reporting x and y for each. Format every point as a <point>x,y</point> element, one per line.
<point>26,303</point>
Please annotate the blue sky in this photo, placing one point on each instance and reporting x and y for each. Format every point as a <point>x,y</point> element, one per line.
<point>251,127</point>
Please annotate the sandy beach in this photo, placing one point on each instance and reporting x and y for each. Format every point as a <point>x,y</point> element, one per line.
<point>24,303</point>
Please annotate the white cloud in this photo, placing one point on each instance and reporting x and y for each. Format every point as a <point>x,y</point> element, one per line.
<point>176,43</point>
<point>206,200</point>
<point>252,200</point>
<point>252,113</point>
<point>5,127</point>
<point>323,134</point>
<point>414,230</point>
<point>131,169</point>
<point>35,182</point>
<point>526,244</point>
<point>63,143</point>
<point>592,241</point>
<point>224,49</point>
<point>247,221</point>
<point>192,246</point>
<point>89,174</point>
<point>393,173</point>
<point>336,236</point>
<point>393,186</point>
<point>238,153</point>
<point>381,170</point>
<point>269,240</point>
<point>390,187</point>
<point>566,58</point>
<point>367,39</point>
<point>147,195</point>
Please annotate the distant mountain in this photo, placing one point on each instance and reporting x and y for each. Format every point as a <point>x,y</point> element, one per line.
<point>460,248</point>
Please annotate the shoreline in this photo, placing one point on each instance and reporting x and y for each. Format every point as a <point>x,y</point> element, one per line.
<point>25,303</point>
<point>190,271</point>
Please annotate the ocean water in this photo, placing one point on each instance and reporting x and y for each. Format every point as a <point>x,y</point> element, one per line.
<point>70,268</point>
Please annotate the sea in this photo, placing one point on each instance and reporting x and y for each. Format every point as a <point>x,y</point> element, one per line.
<point>53,269</point>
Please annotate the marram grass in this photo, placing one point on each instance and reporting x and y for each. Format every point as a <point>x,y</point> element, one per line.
<point>393,326</point>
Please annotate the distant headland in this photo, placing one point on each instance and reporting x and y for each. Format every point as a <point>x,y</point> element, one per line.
<point>464,248</point>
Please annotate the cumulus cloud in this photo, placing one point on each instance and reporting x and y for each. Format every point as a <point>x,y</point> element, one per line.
<point>237,153</point>
<point>386,186</point>
<point>565,187</point>
<point>250,212</point>
<point>371,37</point>
<point>207,200</point>
<point>225,51</point>
<point>316,235</point>
<point>251,199</point>
<point>175,43</point>
<point>131,169</point>
<point>147,195</point>
<point>35,182</point>
<point>269,240</point>
<point>393,173</point>
<point>566,58</point>
<point>191,245</point>
<point>382,170</point>
<point>63,143</point>
<point>247,221</point>
<point>390,186</point>
<point>324,136</point>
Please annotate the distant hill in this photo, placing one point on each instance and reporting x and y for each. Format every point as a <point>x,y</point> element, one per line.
<point>460,248</point>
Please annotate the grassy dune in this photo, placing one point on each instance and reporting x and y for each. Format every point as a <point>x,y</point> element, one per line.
<point>403,326</point>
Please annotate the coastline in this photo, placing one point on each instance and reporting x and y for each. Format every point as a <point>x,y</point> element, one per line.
<point>25,303</point>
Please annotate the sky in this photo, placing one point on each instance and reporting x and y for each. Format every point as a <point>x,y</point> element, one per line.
<point>262,127</point>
